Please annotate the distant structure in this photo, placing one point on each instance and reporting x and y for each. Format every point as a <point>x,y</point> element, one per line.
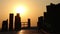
<point>40,22</point>
<point>17,22</point>
<point>5,25</point>
<point>28,23</point>
<point>52,18</point>
<point>11,21</point>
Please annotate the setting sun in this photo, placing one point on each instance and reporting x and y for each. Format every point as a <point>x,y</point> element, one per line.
<point>20,9</point>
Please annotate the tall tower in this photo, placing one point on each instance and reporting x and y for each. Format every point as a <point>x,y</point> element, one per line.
<point>11,22</point>
<point>28,23</point>
<point>17,22</point>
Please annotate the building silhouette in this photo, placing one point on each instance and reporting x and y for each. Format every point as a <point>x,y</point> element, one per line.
<point>50,21</point>
<point>40,23</point>
<point>5,25</point>
<point>17,22</point>
<point>52,18</point>
<point>46,24</point>
<point>11,21</point>
<point>28,23</point>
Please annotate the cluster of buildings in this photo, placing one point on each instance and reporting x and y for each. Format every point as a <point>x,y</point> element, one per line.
<point>17,23</point>
<point>49,22</point>
<point>51,19</point>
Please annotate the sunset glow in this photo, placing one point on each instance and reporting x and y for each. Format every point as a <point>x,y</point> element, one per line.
<point>27,8</point>
<point>20,9</point>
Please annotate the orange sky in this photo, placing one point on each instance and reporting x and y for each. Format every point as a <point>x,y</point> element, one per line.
<point>35,9</point>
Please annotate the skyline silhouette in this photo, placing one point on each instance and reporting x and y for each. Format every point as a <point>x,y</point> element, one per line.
<point>35,7</point>
<point>49,22</point>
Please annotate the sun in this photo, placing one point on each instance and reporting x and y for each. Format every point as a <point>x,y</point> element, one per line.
<point>20,9</point>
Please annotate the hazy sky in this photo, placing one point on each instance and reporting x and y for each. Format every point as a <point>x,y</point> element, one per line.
<point>35,9</point>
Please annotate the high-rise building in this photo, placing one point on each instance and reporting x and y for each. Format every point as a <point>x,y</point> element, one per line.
<point>28,23</point>
<point>17,22</point>
<point>40,22</point>
<point>11,22</point>
<point>5,25</point>
<point>52,18</point>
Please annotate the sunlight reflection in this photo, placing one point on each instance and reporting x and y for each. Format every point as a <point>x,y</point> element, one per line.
<point>21,32</point>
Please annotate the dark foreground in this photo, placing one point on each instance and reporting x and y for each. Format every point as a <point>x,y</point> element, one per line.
<point>26,32</point>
